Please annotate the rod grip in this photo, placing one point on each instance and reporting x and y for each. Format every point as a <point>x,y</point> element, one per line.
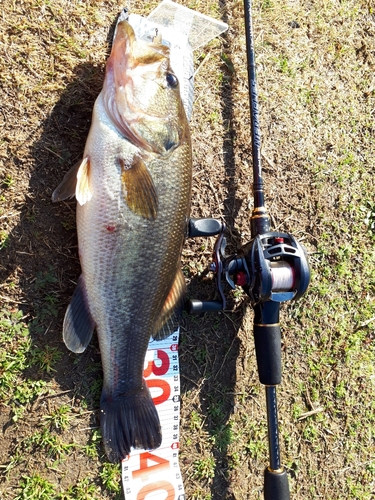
<point>267,339</point>
<point>276,485</point>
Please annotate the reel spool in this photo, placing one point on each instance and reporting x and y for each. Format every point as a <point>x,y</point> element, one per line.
<point>272,267</point>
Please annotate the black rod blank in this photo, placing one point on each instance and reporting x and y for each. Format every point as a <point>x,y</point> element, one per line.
<point>260,223</point>
<point>273,428</point>
<point>276,485</point>
<point>254,110</point>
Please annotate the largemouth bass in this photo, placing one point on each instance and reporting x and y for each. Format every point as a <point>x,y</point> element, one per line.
<point>133,190</point>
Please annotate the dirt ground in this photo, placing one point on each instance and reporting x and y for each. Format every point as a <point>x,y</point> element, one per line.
<point>316,67</point>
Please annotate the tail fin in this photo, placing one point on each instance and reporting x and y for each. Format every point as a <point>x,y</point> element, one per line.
<point>129,421</point>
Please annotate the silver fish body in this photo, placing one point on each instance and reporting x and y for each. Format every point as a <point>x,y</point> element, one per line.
<point>133,190</point>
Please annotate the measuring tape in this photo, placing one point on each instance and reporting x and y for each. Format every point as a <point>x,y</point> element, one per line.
<point>156,475</point>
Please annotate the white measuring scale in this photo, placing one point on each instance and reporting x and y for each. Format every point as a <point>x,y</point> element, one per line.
<point>148,475</point>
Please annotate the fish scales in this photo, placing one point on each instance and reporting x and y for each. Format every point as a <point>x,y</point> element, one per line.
<point>130,262</point>
<point>133,190</point>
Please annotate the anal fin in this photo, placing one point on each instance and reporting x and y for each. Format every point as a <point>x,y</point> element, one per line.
<point>171,312</point>
<point>78,324</point>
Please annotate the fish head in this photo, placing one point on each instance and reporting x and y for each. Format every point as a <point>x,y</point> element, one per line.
<point>141,93</point>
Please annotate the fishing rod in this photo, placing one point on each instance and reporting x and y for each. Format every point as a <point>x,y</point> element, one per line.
<point>271,268</point>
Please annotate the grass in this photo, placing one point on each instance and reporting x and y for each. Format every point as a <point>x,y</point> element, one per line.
<point>50,437</point>
<point>59,418</point>
<point>15,345</point>
<point>316,92</point>
<point>37,488</point>
<point>8,181</point>
<point>4,240</point>
<point>111,477</point>
<point>204,468</point>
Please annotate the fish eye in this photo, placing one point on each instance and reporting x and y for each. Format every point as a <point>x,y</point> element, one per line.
<point>172,80</point>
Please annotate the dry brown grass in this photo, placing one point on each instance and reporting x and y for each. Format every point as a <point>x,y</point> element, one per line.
<point>316,67</point>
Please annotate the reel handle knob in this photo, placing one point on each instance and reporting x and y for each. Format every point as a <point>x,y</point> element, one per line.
<point>204,227</point>
<point>195,306</point>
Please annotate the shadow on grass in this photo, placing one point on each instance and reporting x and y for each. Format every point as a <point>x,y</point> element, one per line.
<point>41,252</point>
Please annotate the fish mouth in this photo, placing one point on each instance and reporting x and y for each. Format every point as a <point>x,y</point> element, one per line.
<point>117,78</point>
<point>134,77</point>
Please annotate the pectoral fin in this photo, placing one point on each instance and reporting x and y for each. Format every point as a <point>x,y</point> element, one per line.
<point>67,187</point>
<point>83,192</point>
<point>170,314</point>
<point>78,324</point>
<point>75,182</point>
<point>138,188</point>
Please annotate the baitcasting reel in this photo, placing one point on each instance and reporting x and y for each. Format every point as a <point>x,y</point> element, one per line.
<point>272,267</point>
